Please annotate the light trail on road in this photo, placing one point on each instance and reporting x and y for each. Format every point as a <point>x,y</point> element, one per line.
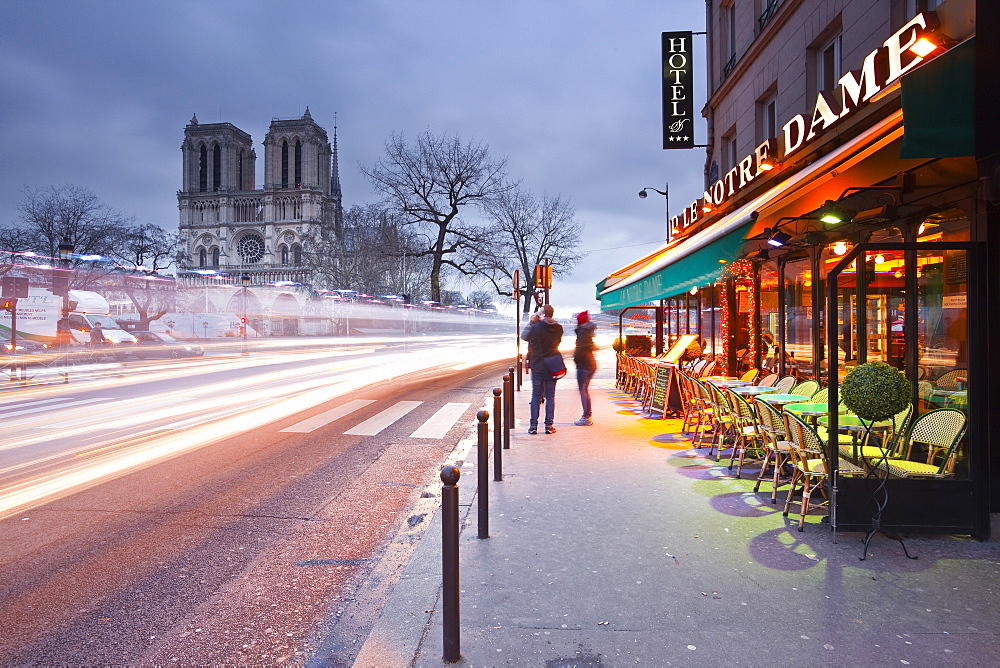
<point>81,442</point>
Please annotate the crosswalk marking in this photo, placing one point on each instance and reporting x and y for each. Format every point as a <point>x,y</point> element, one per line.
<point>377,423</point>
<point>41,409</point>
<point>325,418</point>
<point>439,423</point>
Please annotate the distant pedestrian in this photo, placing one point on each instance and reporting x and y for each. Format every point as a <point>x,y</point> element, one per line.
<point>543,335</point>
<point>97,335</point>
<point>586,363</point>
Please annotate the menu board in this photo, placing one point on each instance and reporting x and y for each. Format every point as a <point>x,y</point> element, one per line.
<point>680,345</point>
<point>661,386</point>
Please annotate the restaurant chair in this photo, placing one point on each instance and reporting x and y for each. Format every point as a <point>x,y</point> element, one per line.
<point>941,431</point>
<point>689,400</point>
<point>724,422</point>
<point>785,385</point>
<point>776,447</point>
<point>750,375</point>
<point>749,439</point>
<point>947,381</point>
<point>706,369</point>
<point>806,388</point>
<point>769,380</point>
<point>820,396</point>
<point>892,444</point>
<point>809,467</point>
<point>705,410</point>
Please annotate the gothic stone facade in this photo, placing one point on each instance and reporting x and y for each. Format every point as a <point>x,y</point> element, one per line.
<point>229,225</point>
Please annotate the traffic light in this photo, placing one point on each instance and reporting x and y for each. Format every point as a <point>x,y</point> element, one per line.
<point>516,279</point>
<point>543,276</point>
<point>9,305</point>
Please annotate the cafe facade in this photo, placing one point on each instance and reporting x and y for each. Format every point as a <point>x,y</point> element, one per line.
<point>846,218</point>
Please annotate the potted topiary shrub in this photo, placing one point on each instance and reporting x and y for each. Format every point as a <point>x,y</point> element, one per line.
<point>876,391</point>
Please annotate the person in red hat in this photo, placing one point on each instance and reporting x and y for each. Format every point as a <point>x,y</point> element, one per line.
<point>586,363</point>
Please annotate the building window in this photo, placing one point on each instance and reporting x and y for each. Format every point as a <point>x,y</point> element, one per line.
<point>828,65</point>
<point>729,32</point>
<point>215,257</point>
<point>729,155</point>
<point>767,117</point>
<point>284,255</point>
<point>202,258</point>
<point>914,7</point>
<point>216,167</point>
<point>284,164</point>
<point>243,156</point>
<point>203,169</point>
<point>767,11</point>
<point>297,255</point>
<point>298,163</point>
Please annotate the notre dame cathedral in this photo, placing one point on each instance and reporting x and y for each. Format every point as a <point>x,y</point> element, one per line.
<point>229,225</point>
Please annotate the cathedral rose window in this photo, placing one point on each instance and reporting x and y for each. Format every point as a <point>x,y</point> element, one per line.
<point>250,248</point>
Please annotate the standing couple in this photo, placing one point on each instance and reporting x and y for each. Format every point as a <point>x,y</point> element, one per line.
<point>544,334</point>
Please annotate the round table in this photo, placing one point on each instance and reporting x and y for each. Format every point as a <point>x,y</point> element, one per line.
<point>812,410</point>
<point>857,426</point>
<point>751,391</point>
<point>730,383</point>
<point>782,399</point>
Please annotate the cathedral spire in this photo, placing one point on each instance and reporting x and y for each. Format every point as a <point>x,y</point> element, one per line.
<point>335,163</point>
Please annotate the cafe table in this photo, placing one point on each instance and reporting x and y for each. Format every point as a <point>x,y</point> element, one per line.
<point>781,400</point>
<point>812,411</point>
<point>751,391</point>
<point>730,383</point>
<point>857,426</point>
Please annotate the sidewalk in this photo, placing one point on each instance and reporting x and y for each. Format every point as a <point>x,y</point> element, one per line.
<point>620,544</point>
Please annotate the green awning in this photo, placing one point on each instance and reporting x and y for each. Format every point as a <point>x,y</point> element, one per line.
<point>938,106</point>
<point>695,269</point>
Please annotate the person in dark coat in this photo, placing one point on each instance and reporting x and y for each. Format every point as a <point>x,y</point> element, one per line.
<point>586,363</point>
<point>543,335</point>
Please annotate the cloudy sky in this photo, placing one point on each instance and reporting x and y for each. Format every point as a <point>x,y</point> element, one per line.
<point>97,93</point>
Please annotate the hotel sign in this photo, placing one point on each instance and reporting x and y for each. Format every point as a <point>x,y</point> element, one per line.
<point>678,90</point>
<point>880,69</point>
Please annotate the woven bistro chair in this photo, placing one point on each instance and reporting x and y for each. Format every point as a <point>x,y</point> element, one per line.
<point>724,423</point>
<point>806,388</point>
<point>892,446</point>
<point>820,396</point>
<point>769,380</point>
<point>750,375</point>
<point>809,467</point>
<point>941,431</point>
<point>946,381</point>
<point>776,446</point>
<point>705,411</point>
<point>749,439</point>
<point>785,385</point>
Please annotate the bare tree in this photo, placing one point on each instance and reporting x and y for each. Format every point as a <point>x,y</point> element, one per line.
<point>481,299</point>
<point>50,215</point>
<point>144,251</point>
<point>375,253</point>
<point>525,231</point>
<point>429,184</point>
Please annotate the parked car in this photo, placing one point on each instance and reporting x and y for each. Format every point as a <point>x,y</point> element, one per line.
<point>154,344</point>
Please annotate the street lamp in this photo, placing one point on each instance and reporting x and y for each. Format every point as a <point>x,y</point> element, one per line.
<point>245,281</point>
<point>666,199</point>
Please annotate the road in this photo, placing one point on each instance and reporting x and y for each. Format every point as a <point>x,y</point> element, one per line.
<point>227,509</point>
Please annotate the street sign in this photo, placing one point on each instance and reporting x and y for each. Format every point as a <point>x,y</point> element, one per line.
<point>516,280</point>
<point>14,286</point>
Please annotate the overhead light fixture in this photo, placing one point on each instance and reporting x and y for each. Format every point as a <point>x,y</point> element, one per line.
<point>879,215</point>
<point>832,213</point>
<point>929,42</point>
<point>763,254</point>
<point>840,248</point>
<point>694,290</point>
<point>779,238</point>
<point>880,259</point>
<point>767,165</point>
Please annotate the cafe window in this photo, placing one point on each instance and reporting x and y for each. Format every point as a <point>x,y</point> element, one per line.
<point>798,344</point>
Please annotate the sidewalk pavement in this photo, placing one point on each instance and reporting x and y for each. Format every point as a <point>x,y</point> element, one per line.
<point>621,544</point>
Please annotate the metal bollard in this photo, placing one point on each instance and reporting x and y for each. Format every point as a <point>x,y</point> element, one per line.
<point>449,563</point>
<point>484,474</point>
<point>520,370</point>
<point>497,434</point>
<point>508,410</point>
